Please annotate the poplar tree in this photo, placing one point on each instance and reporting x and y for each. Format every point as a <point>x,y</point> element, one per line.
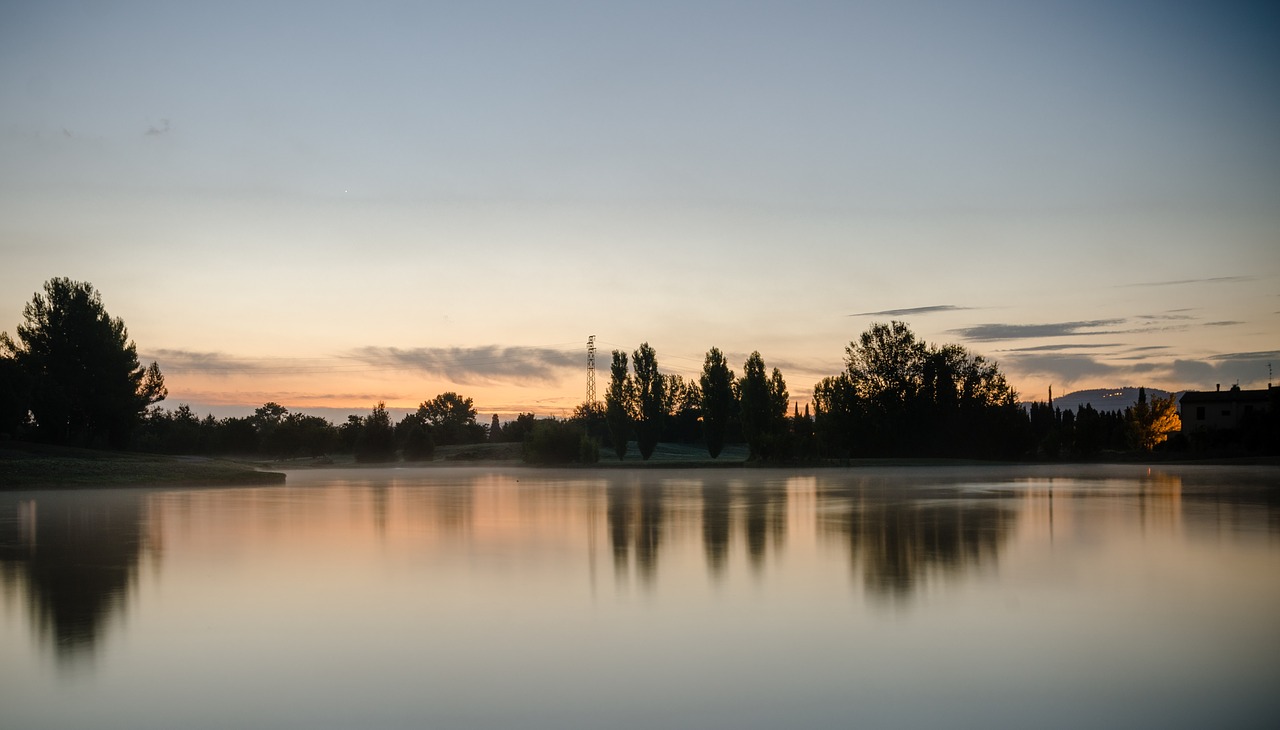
<point>617,404</point>
<point>717,400</point>
<point>649,388</point>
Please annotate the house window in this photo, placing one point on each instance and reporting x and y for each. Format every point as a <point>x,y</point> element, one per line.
<point>1199,413</point>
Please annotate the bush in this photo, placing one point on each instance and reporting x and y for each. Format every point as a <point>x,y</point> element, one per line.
<point>558,442</point>
<point>418,444</point>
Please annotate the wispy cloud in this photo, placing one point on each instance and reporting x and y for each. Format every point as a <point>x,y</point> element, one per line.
<point>1223,323</point>
<point>1272,355</point>
<point>1206,280</point>
<point>1166,317</point>
<point>1000,331</point>
<point>913,310</point>
<point>1063,347</point>
<point>293,400</point>
<point>1247,368</point>
<point>184,361</point>
<point>473,365</point>
<point>1066,368</point>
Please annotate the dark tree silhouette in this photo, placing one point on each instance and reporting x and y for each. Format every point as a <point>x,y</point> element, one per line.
<point>415,439</point>
<point>900,396</point>
<point>15,396</point>
<point>376,440</point>
<point>559,442</point>
<point>590,417</point>
<point>618,404</point>
<point>517,430</point>
<point>650,402</point>
<point>763,404</point>
<point>452,419</point>
<point>682,410</point>
<point>718,401</point>
<point>85,384</point>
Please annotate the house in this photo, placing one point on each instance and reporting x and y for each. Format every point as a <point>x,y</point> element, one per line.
<point>1219,409</point>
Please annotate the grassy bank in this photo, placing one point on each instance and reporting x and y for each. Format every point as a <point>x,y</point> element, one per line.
<point>34,466</point>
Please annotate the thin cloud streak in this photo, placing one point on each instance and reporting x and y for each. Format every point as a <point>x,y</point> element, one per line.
<point>913,310</point>
<point>290,399</point>
<point>1206,280</point>
<point>195,361</point>
<point>1247,356</point>
<point>478,365</point>
<point>999,331</point>
<point>1065,346</point>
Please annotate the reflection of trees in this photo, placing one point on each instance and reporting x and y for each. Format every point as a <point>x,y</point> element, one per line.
<point>898,542</point>
<point>715,525</point>
<point>634,513</point>
<point>76,555</point>
<point>640,514</point>
<point>766,517</point>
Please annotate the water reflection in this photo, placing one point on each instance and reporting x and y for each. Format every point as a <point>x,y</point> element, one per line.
<point>635,513</point>
<point>897,541</point>
<point>75,557</point>
<point>765,521</point>
<point>716,504</point>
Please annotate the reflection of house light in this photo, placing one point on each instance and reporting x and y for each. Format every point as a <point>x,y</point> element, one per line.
<point>27,522</point>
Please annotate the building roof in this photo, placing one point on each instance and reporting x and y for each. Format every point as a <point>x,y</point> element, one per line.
<point>1234,395</point>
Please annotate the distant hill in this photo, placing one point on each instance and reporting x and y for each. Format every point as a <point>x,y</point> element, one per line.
<point>1104,399</point>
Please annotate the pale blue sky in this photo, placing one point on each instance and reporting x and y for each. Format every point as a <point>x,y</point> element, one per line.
<point>331,196</point>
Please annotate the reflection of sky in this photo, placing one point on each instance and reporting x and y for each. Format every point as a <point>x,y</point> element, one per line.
<point>387,597</point>
<point>346,187</point>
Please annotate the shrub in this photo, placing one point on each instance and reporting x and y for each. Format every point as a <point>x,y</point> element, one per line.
<point>559,442</point>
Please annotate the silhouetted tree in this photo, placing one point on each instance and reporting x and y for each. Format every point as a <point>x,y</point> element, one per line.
<point>682,410</point>
<point>649,398</point>
<point>905,397</point>
<point>886,367</point>
<point>85,384</point>
<point>516,431</point>
<point>15,397</point>
<point>591,418</point>
<point>349,433</point>
<point>559,442</point>
<point>303,435</point>
<point>762,401</point>
<point>417,443</point>
<point>495,429</point>
<point>718,400</point>
<point>618,404</point>
<point>376,440</point>
<point>452,419</point>
<point>238,436</point>
<point>415,438</point>
<point>837,416</point>
<point>803,441</point>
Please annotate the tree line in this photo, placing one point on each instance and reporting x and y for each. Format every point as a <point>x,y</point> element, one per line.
<point>72,377</point>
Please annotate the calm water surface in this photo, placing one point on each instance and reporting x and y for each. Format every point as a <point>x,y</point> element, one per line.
<point>502,598</point>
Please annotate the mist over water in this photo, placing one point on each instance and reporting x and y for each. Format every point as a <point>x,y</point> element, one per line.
<point>478,597</point>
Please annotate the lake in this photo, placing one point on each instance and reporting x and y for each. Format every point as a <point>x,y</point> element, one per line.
<point>475,597</point>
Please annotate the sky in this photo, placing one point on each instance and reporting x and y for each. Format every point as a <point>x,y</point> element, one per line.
<point>331,204</point>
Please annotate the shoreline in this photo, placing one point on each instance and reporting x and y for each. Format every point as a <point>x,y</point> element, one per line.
<point>34,466</point>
